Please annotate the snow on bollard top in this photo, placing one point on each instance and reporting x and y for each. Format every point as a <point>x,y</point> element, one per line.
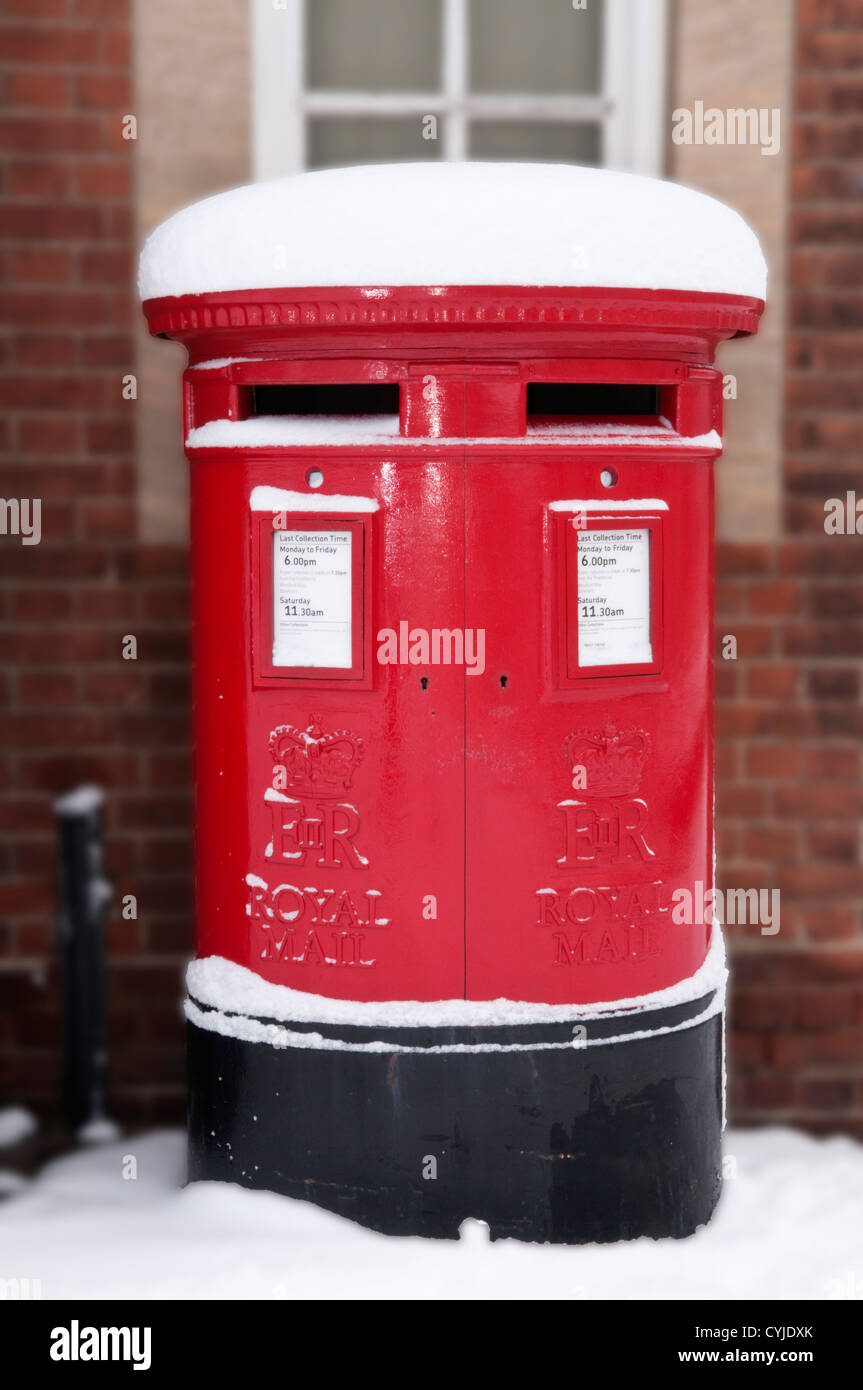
<point>455,224</point>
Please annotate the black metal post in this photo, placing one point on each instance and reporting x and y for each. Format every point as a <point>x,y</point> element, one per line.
<point>84,898</point>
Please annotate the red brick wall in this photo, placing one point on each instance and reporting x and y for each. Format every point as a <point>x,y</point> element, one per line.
<point>72,708</point>
<point>790,713</point>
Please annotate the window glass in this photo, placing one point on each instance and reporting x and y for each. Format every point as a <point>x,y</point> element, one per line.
<point>334,141</point>
<point>543,46</point>
<point>373,45</point>
<point>545,141</point>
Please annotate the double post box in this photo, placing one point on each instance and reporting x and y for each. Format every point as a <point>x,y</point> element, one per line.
<point>452,616</point>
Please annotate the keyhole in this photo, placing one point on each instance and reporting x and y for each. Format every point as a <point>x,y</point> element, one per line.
<point>503,681</point>
<point>424,682</point>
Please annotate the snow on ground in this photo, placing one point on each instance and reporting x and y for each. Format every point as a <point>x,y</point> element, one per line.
<point>790,1225</point>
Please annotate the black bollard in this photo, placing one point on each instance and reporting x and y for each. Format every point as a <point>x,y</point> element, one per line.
<point>84,898</point>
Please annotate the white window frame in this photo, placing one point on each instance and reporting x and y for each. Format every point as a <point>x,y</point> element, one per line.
<point>630,109</point>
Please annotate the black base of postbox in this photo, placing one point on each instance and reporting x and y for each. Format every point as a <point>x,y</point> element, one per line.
<point>514,1126</point>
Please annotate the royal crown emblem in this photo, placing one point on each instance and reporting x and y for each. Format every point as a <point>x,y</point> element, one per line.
<point>613,760</point>
<point>315,763</point>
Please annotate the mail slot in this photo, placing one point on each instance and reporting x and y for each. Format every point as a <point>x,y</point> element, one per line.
<point>452,519</point>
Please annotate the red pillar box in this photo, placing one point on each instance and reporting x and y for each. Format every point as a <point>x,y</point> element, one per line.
<point>452,432</point>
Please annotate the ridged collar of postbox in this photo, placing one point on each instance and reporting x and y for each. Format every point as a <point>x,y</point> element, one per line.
<point>460,243</point>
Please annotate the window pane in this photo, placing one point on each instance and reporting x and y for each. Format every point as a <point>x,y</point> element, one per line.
<point>546,141</point>
<point>541,46</point>
<point>339,140</point>
<point>373,45</point>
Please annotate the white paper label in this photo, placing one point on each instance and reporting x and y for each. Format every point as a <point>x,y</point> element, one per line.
<point>312,598</point>
<point>614,598</point>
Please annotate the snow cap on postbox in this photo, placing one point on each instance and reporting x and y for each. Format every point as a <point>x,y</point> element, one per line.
<point>455,224</point>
